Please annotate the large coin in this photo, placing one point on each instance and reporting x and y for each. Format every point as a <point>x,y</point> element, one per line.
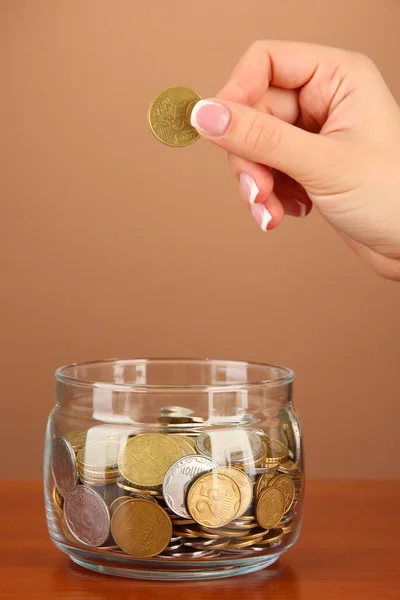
<point>270,508</point>
<point>245,487</point>
<point>86,515</point>
<point>214,499</point>
<point>178,478</point>
<point>286,486</point>
<point>169,116</point>
<point>63,465</point>
<point>229,446</point>
<point>141,528</point>
<point>147,457</point>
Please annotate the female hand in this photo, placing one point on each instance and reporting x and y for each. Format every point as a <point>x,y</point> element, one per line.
<point>306,124</point>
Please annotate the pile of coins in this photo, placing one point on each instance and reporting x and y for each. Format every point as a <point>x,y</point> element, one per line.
<point>198,494</point>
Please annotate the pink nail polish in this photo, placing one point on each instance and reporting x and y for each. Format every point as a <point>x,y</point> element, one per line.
<point>210,117</point>
<point>261,215</point>
<point>249,187</point>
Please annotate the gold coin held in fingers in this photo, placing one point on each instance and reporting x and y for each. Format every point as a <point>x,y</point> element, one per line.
<point>141,528</point>
<point>214,499</point>
<point>270,507</point>
<point>169,116</point>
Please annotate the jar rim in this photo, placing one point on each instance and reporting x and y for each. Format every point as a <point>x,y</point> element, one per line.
<point>285,376</point>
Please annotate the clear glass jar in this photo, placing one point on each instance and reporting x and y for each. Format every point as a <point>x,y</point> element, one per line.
<point>173,469</point>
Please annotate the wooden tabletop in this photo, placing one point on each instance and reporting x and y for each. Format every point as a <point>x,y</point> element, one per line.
<point>349,548</point>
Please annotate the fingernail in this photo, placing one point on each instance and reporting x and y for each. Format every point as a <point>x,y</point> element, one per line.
<point>249,187</point>
<point>210,117</point>
<point>302,208</point>
<point>261,215</point>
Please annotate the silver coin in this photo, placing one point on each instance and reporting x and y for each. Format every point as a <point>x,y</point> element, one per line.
<point>229,446</point>
<point>63,465</point>
<point>179,476</point>
<point>186,553</point>
<point>86,515</point>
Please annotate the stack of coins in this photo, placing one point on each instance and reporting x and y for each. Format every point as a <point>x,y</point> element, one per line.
<point>201,494</point>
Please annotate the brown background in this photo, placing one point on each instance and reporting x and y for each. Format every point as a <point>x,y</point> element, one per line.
<point>114,245</point>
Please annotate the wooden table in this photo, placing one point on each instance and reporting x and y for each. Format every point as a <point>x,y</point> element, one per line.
<point>349,548</point>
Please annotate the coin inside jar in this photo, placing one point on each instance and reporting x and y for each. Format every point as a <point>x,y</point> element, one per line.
<point>270,507</point>
<point>141,528</point>
<point>86,515</point>
<point>244,484</point>
<point>179,476</point>
<point>147,457</point>
<point>214,499</point>
<point>63,465</point>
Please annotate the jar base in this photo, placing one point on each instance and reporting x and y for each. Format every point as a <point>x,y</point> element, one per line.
<point>123,566</point>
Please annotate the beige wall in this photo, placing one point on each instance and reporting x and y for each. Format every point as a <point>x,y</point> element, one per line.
<point>114,245</point>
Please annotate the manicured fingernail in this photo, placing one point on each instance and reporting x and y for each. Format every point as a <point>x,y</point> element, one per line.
<point>302,208</point>
<point>249,187</point>
<point>210,117</point>
<point>261,215</point>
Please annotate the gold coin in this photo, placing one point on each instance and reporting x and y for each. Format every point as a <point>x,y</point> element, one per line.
<point>244,484</point>
<point>273,536</point>
<point>58,500</point>
<point>184,445</point>
<point>169,116</point>
<point>270,507</point>
<point>147,457</point>
<point>288,466</point>
<point>263,481</point>
<point>141,528</point>
<point>276,451</point>
<point>286,486</point>
<point>77,439</point>
<point>214,499</point>
<point>125,485</point>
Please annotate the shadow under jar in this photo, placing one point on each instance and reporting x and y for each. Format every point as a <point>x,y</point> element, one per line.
<point>173,469</point>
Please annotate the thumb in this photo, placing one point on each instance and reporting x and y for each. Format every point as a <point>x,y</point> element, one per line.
<point>261,138</point>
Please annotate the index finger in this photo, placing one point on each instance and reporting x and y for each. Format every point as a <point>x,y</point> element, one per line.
<point>288,65</point>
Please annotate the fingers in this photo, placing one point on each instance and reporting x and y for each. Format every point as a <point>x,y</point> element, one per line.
<point>288,65</point>
<point>261,138</point>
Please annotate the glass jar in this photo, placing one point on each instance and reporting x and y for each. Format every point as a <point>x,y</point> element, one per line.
<point>173,469</point>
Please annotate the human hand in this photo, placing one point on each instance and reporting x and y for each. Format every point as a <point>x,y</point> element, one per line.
<point>306,124</point>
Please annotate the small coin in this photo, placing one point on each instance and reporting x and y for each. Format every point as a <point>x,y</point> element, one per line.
<point>214,544</point>
<point>128,487</point>
<point>263,481</point>
<point>141,528</point>
<point>244,484</point>
<point>214,499</point>
<point>286,486</point>
<point>191,532</point>
<point>270,507</point>
<point>86,515</point>
<point>179,476</point>
<point>226,532</point>
<point>229,446</point>
<point>63,465</point>
<point>147,457</point>
<point>169,116</point>
<point>273,536</point>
